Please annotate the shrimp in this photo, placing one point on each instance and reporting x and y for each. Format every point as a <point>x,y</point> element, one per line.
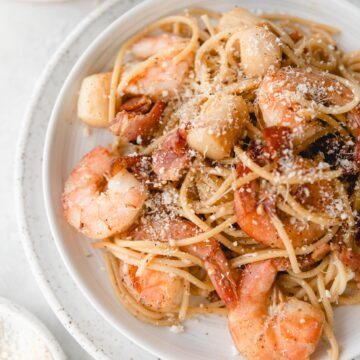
<point>253,208</point>
<point>283,93</point>
<point>291,331</point>
<point>157,290</point>
<point>218,268</point>
<point>98,202</point>
<point>162,291</point>
<point>137,123</point>
<point>163,77</point>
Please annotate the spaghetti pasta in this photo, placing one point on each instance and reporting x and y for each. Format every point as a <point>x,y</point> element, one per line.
<point>270,180</point>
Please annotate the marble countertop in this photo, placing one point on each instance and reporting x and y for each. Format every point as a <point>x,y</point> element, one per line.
<point>25,49</point>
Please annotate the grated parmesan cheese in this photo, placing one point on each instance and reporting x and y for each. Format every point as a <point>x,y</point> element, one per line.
<point>18,339</point>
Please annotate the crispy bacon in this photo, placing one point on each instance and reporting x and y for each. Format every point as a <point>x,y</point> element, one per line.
<point>350,259</point>
<point>353,118</point>
<point>136,125</point>
<point>320,252</point>
<point>306,262</point>
<point>173,157</point>
<point>277,138</point>
<point>124,162</point>
<point>357,154</point>
<point>140,166</point>
<point>282,264</point>
<point>295,36</point>
<point>257,153</point>
<point>242,170</point>
<point>140,104</point>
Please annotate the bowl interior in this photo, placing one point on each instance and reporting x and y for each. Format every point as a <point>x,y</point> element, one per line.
<point>68,140</point>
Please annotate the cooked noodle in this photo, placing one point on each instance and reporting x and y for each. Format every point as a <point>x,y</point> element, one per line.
<point>205,194</point>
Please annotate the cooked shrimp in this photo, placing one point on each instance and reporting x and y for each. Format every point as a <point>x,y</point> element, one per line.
<point>253,208</point>
<point>162,77</point>
<point>158,290</point>
<point>99,203</point>
<point>222,276</point>
<point>138,123</point>
<point>291,331</point>
<point>292,96</point>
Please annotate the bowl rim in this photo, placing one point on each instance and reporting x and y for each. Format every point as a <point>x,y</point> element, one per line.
<point>142,7</point>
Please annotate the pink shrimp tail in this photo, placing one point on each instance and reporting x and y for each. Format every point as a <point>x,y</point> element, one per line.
<point>251,287</point>
<point>218,269</point>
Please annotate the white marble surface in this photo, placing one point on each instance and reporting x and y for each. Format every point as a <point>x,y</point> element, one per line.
<point>29,35</point>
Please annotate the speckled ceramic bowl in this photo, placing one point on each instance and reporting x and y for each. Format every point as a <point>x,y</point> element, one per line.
<point>65,144</point>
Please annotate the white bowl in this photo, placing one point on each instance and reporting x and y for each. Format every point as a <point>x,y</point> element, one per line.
<point>27,330</point>
<point>66,143</point>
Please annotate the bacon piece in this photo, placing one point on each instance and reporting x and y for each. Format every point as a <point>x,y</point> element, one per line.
<point>124,162</point>
<point>353,118</point>
<point>295,36</point>
<point>282,264</point>
<point>278,138</point>
<point>320,252</point>
<point>173,157</point>
<point>357,153</point>
<point>133,124</point>
<point>140,103</point>
<point>257,153</point>
<point>306,262</point>
<point>350,259</point>
<point>242,170</point>
<point>140,166</point>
